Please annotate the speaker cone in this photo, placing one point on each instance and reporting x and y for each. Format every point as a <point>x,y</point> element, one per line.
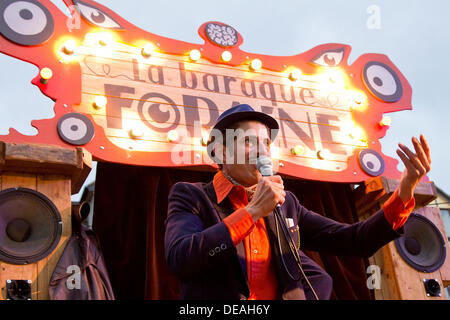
<point>30,226</point>
<point>422,246</point>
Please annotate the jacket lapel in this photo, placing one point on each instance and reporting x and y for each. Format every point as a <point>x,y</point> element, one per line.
<point>282,258</point>
<point>224,209</point>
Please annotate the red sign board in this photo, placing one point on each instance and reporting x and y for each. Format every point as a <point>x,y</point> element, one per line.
<point>130,96</point>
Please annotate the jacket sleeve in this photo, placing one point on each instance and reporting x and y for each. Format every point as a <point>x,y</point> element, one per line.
<point>191,248</point>
<point>362,239</point>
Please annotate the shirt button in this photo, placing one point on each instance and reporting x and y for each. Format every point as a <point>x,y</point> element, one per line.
<point>255,251</point>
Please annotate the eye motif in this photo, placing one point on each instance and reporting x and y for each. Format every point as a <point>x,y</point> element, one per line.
<point>96,16</point>
<point>25,22</point>
<point>330,58</point>
<point>371,162</point>
<point>75,129</point>
<point>382,81</point>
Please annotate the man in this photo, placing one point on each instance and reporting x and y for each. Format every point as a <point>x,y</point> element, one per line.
<point>223,241</point>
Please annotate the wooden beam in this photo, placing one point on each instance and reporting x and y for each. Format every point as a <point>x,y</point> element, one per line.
<point>375,191</point>
<point>75,163</point>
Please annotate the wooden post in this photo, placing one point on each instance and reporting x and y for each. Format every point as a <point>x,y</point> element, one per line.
<point>55,172</point>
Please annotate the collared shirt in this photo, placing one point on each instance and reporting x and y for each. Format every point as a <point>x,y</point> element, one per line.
<point>261,275</point>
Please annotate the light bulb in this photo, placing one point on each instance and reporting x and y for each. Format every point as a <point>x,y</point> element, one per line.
<point>172,136</point>
<point>100,102</point>
<point>297,150</point>
<point>147,50</point>
<point>324,154</point>
<point>386,121</point>
<point>69,47</point>
<point>256,64</point>
<point>295,74</point>
<point>194,55</point>
<point>46,74</point>
<point>226,56</point>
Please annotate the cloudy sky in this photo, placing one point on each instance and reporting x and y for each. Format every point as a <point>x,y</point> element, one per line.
<point>413,34</point>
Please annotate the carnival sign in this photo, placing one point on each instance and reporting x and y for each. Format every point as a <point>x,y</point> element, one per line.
<point>133,97</point>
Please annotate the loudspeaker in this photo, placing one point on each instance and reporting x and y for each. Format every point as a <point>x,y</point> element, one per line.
<point>36,184</point>
<point>422,247</point>
<point>415,266</point>
<point>30,226</point>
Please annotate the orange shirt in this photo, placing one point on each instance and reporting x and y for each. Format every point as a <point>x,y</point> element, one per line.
<point>261,275</point>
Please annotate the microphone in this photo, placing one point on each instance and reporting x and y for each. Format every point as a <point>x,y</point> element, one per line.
<point>265,167</point>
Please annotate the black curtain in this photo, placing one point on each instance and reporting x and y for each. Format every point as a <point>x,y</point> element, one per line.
<point>130,208</point>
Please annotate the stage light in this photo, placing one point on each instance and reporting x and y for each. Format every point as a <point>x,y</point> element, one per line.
<point>256,64</point>
<point>324,154</point>
<point>147,50</point>
<point>194,55</point>
<point>297,150</point>
<point>69,47</point>
<point>46,74</point>
<point>226,56</point>
<point>295,74</point>
<point>386,121</point>
<point>172,136</point>
<point>100,102</point>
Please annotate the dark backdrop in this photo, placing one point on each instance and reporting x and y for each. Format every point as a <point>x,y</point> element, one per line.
<point>130,208</point>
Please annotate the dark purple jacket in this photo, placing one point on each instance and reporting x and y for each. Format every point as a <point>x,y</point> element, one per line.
<point>200,252</point>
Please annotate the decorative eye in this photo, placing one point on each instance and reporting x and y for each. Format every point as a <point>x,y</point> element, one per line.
<point>96,16</point>
<point>76,129</point>
<point>382,81</point>
<point>371,162</point>
<point>25,22</point>
<point>331,58</point>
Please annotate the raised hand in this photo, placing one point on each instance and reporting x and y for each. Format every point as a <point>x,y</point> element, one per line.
<point>416,166</point>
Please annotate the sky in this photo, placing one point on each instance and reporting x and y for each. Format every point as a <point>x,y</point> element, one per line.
<point>413,34</point>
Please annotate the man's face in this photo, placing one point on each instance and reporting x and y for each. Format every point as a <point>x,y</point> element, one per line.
<point>243,146</point>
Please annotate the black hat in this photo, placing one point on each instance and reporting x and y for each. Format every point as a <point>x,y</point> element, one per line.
<point>243,112</point>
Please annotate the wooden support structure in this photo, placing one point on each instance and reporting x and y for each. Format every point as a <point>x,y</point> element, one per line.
<point>55,172</point>
<point>399,280</point>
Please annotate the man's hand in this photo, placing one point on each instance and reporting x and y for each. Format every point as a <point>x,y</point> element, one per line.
<point>416,166</point>
<point>269,192</point>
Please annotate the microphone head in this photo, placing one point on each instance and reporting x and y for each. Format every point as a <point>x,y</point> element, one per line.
<point>264,165</point>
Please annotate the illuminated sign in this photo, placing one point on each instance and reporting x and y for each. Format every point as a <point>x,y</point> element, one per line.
<point>133,97</point>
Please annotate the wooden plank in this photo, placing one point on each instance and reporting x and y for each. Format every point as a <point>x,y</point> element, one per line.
<point>181,154</point>
<point>125,54</point>
<point>95,85</point>
<point>129,110</point>
<point>24,157</point>
<point>58,190</point>
<point>408,279</point>
<point>18,272</point>
<point>379,189</point>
